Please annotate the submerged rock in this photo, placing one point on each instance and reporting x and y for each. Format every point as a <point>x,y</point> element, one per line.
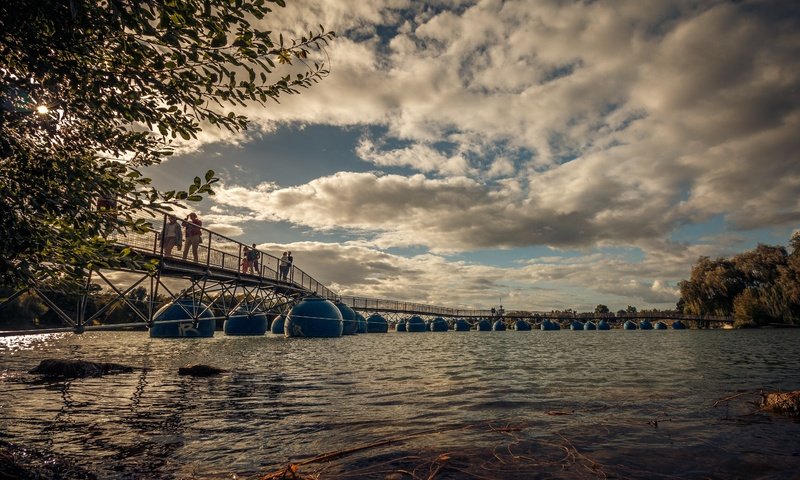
<point>53,367</point>
<point>200,370</point>
<point>783,403</point>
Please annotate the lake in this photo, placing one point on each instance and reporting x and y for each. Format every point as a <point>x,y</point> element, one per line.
<point>499,405</point>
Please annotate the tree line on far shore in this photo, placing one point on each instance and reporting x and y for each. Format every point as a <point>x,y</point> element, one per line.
<point>757,287</point>
<point>28,311</point>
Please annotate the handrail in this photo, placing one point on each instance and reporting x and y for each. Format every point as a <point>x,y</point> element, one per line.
<point>223,252</point>
<point>217,251</point>
<point>363,303</point>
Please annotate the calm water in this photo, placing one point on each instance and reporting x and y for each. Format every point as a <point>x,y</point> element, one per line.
<point>617,404</point>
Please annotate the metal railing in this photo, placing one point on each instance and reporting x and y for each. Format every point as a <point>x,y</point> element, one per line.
<point>217,251</point>
<point>378,304</point>
<point>220,252</point>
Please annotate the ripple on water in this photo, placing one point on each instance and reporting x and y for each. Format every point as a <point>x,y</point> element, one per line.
<point>500,404</point>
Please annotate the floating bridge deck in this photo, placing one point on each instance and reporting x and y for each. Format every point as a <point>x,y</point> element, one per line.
<point>217,280</point>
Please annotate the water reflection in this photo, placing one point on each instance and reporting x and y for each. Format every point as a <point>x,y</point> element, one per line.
<point>496,404</point>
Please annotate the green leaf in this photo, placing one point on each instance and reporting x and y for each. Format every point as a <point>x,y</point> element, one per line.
<point>219,40</point>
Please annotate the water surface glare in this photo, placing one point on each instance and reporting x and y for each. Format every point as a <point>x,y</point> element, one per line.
<point>504,405</point>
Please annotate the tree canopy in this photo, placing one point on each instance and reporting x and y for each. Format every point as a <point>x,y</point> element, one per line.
<point>90,91</point>
<point>756,287</point>
<point>600,308</point>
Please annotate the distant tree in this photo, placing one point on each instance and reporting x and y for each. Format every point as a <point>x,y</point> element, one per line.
<point>748,310</point>
<point>758,286</point>
<point>601,309</point>
<point>794,243</point>
<point>680,305</point>
<point>761,269</point>
<point>621,312</point>
<point>630,309</point>
<point>138,294</point>
<point>712,287</point>
<point>789,282</point>
<point>760,266</point>
<point>92,91</point>
<point>23,312</point>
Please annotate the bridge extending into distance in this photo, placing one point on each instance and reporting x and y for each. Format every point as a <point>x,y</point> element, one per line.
<point>217,281</point>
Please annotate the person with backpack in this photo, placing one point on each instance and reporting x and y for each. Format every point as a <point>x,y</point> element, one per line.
<point>252,257</point>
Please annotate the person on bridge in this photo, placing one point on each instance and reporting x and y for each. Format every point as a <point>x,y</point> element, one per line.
<point>252,257</point>
<point>193,234</point>
<point>290,259</point>
<point>172,236</point>
<point>246,260</point>
<point>284,266</point>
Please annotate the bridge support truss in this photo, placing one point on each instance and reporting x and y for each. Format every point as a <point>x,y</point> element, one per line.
<point>138,295</point>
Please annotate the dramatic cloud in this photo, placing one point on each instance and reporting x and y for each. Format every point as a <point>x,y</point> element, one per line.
<point>579,126</point>
<point>456,213</point>
<point>668,111</point>
<point>361,270</point>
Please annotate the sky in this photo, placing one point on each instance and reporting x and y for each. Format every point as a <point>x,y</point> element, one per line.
<point>538,155</point>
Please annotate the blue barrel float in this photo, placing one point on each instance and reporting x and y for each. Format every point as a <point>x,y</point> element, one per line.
<point>548,325</point>
<point>400,326</point>
<point>645,325</point>
<point>678,325</point>
<point>349,320</point>
<point>499,326</point>
<point>415,324</point>
<point>199,321</point>
<point>461,325</point>
<point>277,324</point>
<point>589,325</point>
<point>377,324</point>
<point>545,325</point>
<point>660,325</point>
<point>484,326</point>
<point>522,326</point>
<point>439,325</point>
<point>314,317</point>
<point>603,325</point>
<point>362,323</point>
<point>629,325</point>
<point>576,325</point>
<point>242,322</point>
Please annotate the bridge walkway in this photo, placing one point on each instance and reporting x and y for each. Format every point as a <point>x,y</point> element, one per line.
<point>217,279</point>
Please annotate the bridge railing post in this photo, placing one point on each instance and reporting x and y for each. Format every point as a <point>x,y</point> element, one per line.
<point>157,237</point>
<point>208,249</point>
